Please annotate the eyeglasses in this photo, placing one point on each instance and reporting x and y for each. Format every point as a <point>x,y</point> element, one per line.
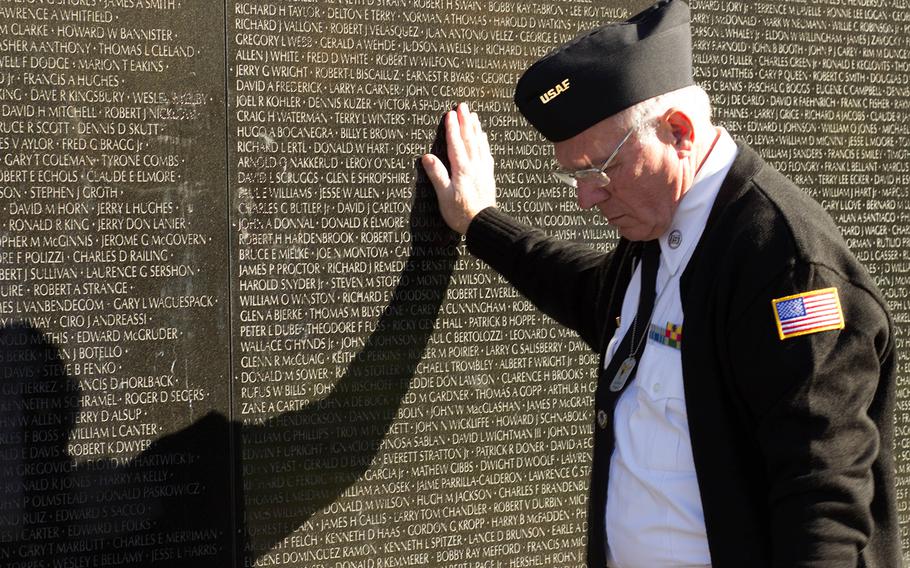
<point>596,175</point>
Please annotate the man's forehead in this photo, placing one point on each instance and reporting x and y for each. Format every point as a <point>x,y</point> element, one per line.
<point>592,146</point>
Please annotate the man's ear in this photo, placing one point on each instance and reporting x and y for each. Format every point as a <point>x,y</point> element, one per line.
<point>682,129</point>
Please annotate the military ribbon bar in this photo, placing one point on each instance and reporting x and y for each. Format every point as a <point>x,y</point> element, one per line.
<point>671,336</point>
<point>809,312</point>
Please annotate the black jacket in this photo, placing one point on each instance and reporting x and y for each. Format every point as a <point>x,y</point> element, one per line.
<point>792,439</point>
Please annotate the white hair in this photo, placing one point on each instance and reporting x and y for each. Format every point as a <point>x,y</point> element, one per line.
<point>643,116</point>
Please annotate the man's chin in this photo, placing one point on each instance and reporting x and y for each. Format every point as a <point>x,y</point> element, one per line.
<point>636,233</point>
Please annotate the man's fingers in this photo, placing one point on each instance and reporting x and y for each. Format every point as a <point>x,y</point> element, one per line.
<point>458,155</point>
<point>466,124</point>
<point>467,186</point>
<point>475,124</point>
<point>436,171</point>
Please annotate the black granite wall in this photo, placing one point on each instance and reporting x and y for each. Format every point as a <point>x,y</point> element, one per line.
<point>233,331</point>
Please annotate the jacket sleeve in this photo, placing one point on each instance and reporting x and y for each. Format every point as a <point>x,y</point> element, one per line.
<point>562,279</point>
<point>808,398</point>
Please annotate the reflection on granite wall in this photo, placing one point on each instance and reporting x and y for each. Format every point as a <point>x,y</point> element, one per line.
<point>232,329</point>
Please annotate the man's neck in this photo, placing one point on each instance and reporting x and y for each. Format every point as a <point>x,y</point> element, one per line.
<point>703,157</point>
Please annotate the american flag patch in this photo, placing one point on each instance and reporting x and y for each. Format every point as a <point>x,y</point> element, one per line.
<point>809,312</point>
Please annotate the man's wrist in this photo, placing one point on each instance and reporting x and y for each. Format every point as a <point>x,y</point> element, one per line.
<point>479,213</point>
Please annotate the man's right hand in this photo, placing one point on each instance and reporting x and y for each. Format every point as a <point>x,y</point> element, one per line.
<point>470,186</point>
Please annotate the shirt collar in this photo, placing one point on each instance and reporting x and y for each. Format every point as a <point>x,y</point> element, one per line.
<point>678,243</point>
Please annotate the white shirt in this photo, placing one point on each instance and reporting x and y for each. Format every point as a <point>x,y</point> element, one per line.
<point>654,515</point>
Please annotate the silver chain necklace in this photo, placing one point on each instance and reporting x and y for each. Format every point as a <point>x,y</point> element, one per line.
<point>627,366</point>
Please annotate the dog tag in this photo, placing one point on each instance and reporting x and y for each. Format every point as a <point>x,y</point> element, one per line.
<point>622,375</point>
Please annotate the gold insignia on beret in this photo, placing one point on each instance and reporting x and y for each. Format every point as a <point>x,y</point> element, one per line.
<point>555,91</point>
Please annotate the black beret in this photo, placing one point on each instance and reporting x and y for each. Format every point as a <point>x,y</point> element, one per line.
<point>609,69</point>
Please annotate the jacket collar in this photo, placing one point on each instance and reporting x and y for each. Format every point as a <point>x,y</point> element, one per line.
<point>744,168</point>
<point>746,165</point>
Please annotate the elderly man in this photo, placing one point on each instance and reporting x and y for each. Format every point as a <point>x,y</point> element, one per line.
<point>762,435</point>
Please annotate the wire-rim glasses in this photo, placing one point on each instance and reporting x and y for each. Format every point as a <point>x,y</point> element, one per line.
<point>597,175</point>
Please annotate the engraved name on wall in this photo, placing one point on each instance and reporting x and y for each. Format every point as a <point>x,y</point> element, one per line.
<point>112,284</point>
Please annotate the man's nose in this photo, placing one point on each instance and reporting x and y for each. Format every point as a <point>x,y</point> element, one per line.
<point>588,195</point>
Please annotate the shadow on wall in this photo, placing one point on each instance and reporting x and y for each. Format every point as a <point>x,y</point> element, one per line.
<point>173,504</point>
